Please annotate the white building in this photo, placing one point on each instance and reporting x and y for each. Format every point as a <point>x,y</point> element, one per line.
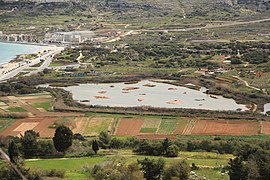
<point>69,37</point>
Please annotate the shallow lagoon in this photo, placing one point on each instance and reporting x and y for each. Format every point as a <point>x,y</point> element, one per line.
<point>155,95</point>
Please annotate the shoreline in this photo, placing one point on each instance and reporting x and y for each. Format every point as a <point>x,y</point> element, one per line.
<point>41,49</point>
<point>29,43</point>
<point>10,69</point>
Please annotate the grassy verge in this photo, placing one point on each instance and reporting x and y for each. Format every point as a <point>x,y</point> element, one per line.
<point>16,109</point>
<point>4,122</point>
<point>148,130</point>
<point>44,105</point>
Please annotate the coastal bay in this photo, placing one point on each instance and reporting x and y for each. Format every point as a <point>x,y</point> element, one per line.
<point>9,51</point>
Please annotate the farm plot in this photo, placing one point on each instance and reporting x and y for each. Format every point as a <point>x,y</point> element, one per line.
<point>2,122</point>
<point>35,104</point>
<point>150,125</point>
<point>181,126</point>
<point>40,125</point>
<point>65,121</point>
<point>5,122</point>
<point>43,106</point>
<point>41,101</point>
<point>93,126</point>
<point>129,127</point>
<point>167,126</point>
<point>223,127</point>
<point>37,98</point>
<point>265,127</point>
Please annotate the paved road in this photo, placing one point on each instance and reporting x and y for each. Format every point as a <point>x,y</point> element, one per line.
<point>6,158</point>
<point>46,57</point>
<point>47,61</point>
<point>207,26</point>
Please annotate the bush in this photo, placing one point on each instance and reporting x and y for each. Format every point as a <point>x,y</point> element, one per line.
<point>54,173</point>
<point>172,151</point>
<point>178,170</point>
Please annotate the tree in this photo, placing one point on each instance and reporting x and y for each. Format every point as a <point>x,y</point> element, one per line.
<point>95,146</point>
<point>252,169</point>
<point>179,170</point>
<point>172,151</point>
<point>79,137</point>
<point>237,169</point>
<point>190,146</point>
<point>62,139</point>
<point>29,143</point>
<point>104,140</point>
<point>117,169</point>
<point>8,173</point>
<point>165,144</point>
<point>13,152</point>
<point>152,169</point>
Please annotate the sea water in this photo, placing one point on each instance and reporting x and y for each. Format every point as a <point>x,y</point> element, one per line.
<point>9,51</point>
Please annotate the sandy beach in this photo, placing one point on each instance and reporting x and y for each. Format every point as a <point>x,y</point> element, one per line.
<point>11,69</point>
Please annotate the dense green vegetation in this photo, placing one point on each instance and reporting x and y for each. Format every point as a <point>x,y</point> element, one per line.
<point>199,154</point>
<point>16,109</point>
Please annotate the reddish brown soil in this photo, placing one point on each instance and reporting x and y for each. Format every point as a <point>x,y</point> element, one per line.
<point>42,127</point>
<point>222,127</point>
<point>180,127</point>
<point>265,127</point>
<point>129,127</point>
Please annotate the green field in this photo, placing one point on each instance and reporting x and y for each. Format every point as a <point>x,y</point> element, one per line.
<point>5,122</point>
<point>167,126</point>
<point>44,105</point>
<point>148,130</point>
<point>74,166</point>
<point>96,125</point>
<point>16,109</point>
<point>70,164</point>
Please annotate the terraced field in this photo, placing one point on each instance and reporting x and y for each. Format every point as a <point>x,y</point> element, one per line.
<point>222,127</point>
<point>150,125</point>
<point>92,126</point>
<point>167,126</point>
<point>181,126</point>
<point>43,121</point>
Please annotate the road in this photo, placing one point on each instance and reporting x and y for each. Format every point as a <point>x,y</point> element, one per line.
<point>47,61</point>
<point>47,57</point>
<point>6,158</point>
<point>207,26</point>
<point>8,11</point>
<point>246,83</point>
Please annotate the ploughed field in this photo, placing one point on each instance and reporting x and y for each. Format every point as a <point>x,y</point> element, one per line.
<point>146,128</point>
<point>37,116</point>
